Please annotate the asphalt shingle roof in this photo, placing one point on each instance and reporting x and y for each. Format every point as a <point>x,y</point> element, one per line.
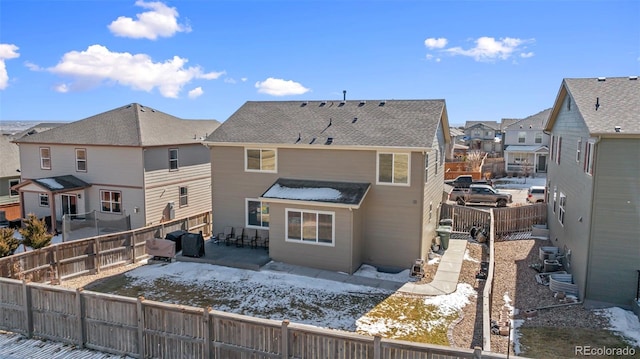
<point>395,123</point>
<point>535,122</point>
<point>130,125</point>
<point>10,160</point>
<point>351,193</point>
<point>618,99</point>
<point>61,183</point>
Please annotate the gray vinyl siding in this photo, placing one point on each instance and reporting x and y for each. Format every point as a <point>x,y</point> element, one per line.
<point>163,186</point>
<point>511,137</point>
<point>5,197</point>
<point>433,189</point>
<point>615,244</point>
<point>358,239</point>
<point>32,205</point>
<point>131,198</point>
<point>335,258</point>
<point>391,215</point>
<point>570,178</point>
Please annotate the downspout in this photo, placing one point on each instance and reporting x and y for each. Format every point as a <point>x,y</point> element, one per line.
<point>591,210</point>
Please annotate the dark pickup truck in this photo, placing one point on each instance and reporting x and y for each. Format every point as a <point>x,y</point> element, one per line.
<point>464,181</point>
<point>479,193</point>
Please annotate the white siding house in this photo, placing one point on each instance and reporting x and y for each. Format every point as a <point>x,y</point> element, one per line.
<point>527,145</point>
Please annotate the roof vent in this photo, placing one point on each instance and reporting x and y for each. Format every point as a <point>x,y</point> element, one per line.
<point>382,103</point>
<point>341,104</point>
<point>617,128</point>
<point>354,120</point>
<point>633,78</point>
<point>323,103</point>
<point>304,104</point>
<point>329,141</point>
<point>312,141</point>
<point>597,103</point>
<point>601,79</point>
<point>362,103</point>
<point>141,109</point>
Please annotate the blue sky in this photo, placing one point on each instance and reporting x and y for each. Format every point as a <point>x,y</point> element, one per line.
<point>68,60</point>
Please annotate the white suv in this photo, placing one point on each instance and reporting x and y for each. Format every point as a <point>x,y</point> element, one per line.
<point>536,194</point>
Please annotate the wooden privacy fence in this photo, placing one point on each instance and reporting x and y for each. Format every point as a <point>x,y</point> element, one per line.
<point>66,260</point>
<point>506,219</point>
<point>148,329</point>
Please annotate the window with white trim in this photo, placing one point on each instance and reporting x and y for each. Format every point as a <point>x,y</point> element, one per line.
<point>13,182</point>
<point>426,167</point>
<point>588,158</point>
<point>393,168</point>
<point>44,199</point>
<point>522,137</point>
<point>45,158</point>
<point>81,160</point>
<point>261,160</point>
<point>561,205</point>
<point>555,197</point>
<point>313,227</point>
<point>173,159</point>
<point>538,138</point>
<point>184,196</point>
<point>257,213</point>
<point>437,163</point>
<point>578,150</point>
<point>111,201</point>
<point>558,149</point>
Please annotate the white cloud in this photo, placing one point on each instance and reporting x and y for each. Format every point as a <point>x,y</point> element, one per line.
<point>196,92</point>
<point>161,21</point>
<point>230,80</point>
<point>7,51</point>
<point>433,43</point>
<point>62,88</point>
<point>280,87</point>
<point>31,66</point>
<point>489,49</point>
<point>526,55</point>
<point>97,65</point>
<point>244,79</point>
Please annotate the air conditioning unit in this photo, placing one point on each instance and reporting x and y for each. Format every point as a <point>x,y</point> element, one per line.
<point>172,210</point>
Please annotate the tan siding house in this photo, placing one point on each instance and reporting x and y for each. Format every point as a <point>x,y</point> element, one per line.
<point>594,187</point>
<point>337,184</point>
<point>131,161</point>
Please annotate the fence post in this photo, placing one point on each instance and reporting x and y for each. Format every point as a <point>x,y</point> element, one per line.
<point>28,315</point>
<point>80,318</point>
<point>207,332</point>
<point>285,339</point>
<point>377,346</point>
<point>477,353</point>
<point>133,247</point>
<point>96,257</point>
<point>140,313</point>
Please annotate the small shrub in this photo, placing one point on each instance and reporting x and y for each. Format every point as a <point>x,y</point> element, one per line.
<point>8,243</point>
<point>34,233</point>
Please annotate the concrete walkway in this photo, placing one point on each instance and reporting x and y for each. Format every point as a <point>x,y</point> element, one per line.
<point>446,279</point>
<point>444,282</point>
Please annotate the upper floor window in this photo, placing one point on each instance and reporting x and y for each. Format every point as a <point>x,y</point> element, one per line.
<point>173,159</point>
<point>558,149</point>
<point>44,199</point>
<point>476,133</point>
<point>45,158</point>
<point>12,192</point>
<point>555,197</point>
<point>81,160</point>
<point>538,138</point>
<point>522,137</point>
<point>184,196</point>
<point>578,150</point>
<point>111,201</point>
<point>589,158</point>
<point>487,133</point>
<point>260,160</point>
<point>426,167</point>
<point>561,205</point>
<point>308,226</point>
<point>393,168</point>
<point>257,213</point>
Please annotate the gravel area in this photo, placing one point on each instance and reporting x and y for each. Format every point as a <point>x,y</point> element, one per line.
<point>83,281</point>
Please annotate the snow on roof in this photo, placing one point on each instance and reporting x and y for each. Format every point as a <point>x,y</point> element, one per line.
<point>303,194</point>
<point>51,183</point>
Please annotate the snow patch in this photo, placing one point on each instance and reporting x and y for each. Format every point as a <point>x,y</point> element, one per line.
<point>467,256</point>
<point>303,193</point>
<point>624,322</point>
<point>369,271</point>
<point>52,183</point>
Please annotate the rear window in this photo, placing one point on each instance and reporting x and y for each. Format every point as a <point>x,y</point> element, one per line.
<point>537,190</point>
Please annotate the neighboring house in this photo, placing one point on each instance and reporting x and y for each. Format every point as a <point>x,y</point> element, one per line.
<point>594,187</point>
<point>457,147</point>
<point>336,183</point>
<point>526,144</point>
<point>9,173</point>
<point>131,161</point>
<point>483,136</point>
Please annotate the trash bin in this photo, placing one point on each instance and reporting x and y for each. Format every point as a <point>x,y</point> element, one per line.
<point>176,237</point>
<point>445,233</point>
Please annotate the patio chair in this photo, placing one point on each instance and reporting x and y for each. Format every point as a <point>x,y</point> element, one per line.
<point>262,238</point>
<point>238,237</point>
<point>224,236</point>
<point>251,235</point>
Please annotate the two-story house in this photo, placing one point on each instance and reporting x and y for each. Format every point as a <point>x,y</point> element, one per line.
<point>594,185</point>
<point>483,136</point>
<point>9,176</point>
<point>130,161</point>
<point>336,183</point>
<point>527,145</point>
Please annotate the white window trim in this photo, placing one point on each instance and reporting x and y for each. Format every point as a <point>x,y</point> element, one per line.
<point>555,197</point>
<point>408,184</point>
<point>589,157</point>
<point>111,201</point>
<point>578,150</point>
<point>177,160</point>
<point>78,160</point>
<point>246,159</point>
<point>180,196</point>
<point>42,196</point>
<point>12,183</point>
<point>523,137</point>
<point>426,168</point>
<point>302,211</point>
<point>42,166</point>
<point>538,137</point>
<point>561,208</point>
<point>246,213</point>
